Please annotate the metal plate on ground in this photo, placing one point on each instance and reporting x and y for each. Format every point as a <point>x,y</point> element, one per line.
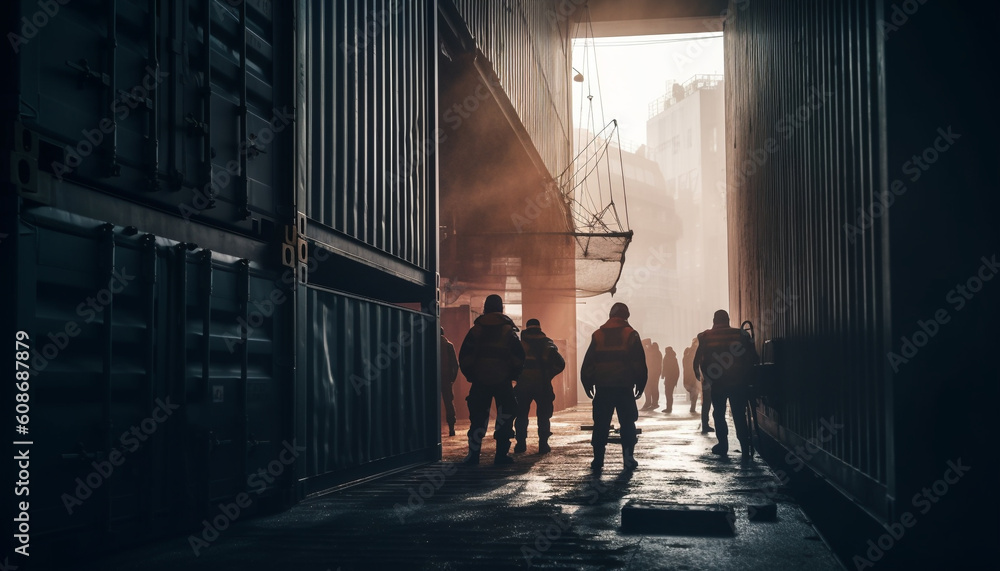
<point>650,516</point>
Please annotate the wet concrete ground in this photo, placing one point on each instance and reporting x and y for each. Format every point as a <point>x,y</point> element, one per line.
<point>545,511</point>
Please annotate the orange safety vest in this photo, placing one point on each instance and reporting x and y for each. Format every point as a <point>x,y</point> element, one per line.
<point>541,358</point>
<point>727,353</point>
<point>610,363</point>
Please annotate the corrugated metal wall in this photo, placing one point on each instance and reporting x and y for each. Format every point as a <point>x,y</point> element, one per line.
<point>366,186</point>
<point>219,160</point>
<point>367,394</point>
<point>803,125</point>
<point>176,105</point>
<point>129,331</point>
<point>527,45</point>
<point>367,80</point>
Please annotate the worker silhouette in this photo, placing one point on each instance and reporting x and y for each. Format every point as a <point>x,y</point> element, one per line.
<point>542,362</point>
<point>654,360</point>
<point>449,372</point>
<point>491,358</point>
<point>614,376</point>
<point>670,372</point>
<point>695,388</point>
<point>725,356</point>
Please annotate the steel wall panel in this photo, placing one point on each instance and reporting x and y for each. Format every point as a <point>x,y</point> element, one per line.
<point>90,387</point>
<point>803,133</point>
<point>181,105</point>
<point>368,385</point>
<point>121,321</point>
<point>527,45</point>
<point>234,353</point>
<point>367,168</point>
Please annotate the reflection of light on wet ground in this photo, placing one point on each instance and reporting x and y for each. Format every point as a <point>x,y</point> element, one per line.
<point>550,507</point>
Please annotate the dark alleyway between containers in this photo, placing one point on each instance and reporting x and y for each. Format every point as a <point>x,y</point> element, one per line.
<point>545,511</point>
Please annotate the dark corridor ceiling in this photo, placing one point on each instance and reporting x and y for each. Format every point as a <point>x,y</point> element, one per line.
<point>647,17</point>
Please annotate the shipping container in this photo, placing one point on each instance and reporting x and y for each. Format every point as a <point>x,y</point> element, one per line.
<point>181,106</point>
<point>367,389</point>
<point>858,212</point>
<point>793,270</point>
<point>365,238</point>
<point>367,149</point>
<point>263,176</point>
<point>160,377</point>
<point>523,40</point>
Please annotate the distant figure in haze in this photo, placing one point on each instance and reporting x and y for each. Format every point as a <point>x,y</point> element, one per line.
<point>614,375</point>
<point>677,91</point>
<point>725,356</point>
<point>449,372</point>
<point>670,372</point>
<point>491,358</point>
<point>542,362</point>
<point>654,361</point>
<point>694,387</point>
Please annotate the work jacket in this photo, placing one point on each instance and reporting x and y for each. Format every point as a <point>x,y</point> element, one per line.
<point>669,369</point>
<point>542,360</point>
<point>725,356</point>
<point>449,363</point>
<point>654,361</point>
<point>615,358</point>
<point>491,353</point>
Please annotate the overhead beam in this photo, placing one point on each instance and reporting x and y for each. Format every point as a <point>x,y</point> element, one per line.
<point>615,18</point>
<point>656,26</point>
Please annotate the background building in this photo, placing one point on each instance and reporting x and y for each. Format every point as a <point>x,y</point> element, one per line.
<point>649,282</point>
<point>685,135</point>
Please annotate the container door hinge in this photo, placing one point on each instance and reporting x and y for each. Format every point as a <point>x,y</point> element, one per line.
<point>294,250</point>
